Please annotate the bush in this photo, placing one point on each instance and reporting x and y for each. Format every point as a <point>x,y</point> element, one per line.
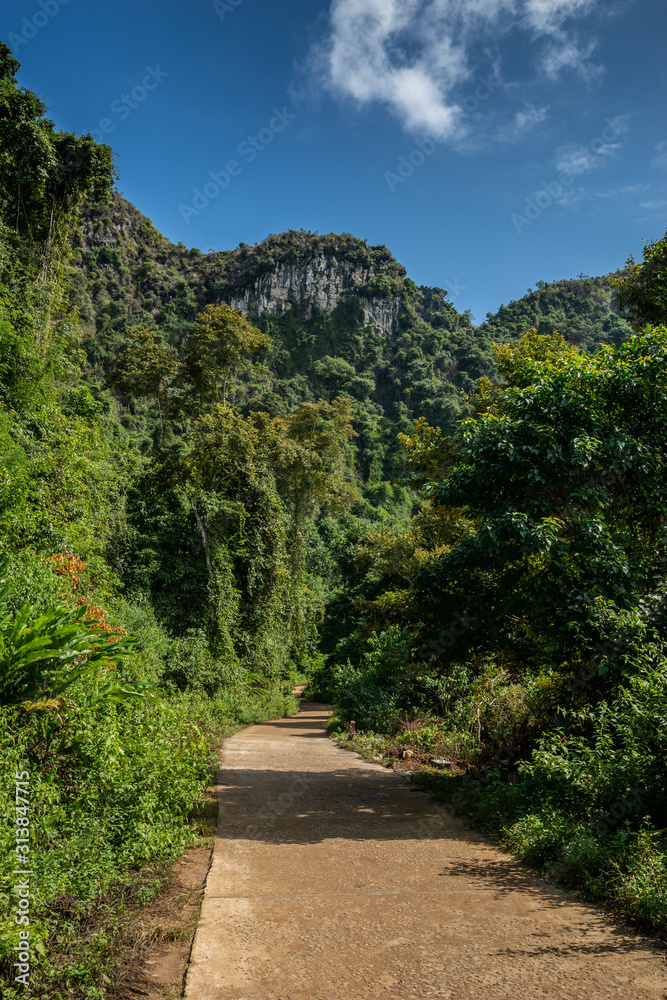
<point>358,696</point>
<point>33,582</point>
<point>110,788</point>
<point>376,690</point>
<point>191,665</point>
<point>588,808</point>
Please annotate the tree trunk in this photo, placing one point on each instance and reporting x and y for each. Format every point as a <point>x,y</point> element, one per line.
<point>204,538</point>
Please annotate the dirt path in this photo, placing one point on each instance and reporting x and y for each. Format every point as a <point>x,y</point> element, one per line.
<point>332,879</point>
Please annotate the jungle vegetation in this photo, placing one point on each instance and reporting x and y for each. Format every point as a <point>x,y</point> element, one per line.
<point>456,533</point>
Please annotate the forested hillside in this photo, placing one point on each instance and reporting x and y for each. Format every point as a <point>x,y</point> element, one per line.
<point>342,317</point>
<point>583,309</point>
<point>225,472</point>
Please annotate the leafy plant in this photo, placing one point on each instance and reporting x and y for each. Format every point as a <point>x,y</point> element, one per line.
<point>44,652</point>
<point>642,289</point>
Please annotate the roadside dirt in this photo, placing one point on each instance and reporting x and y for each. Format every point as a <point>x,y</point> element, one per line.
<point>162,932</point>
<point>332,878</point>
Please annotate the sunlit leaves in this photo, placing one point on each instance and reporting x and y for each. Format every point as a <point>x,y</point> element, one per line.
<point>145,367</point>
<point>217,351</point>
<point>642,291</point>
<point>567,478</point>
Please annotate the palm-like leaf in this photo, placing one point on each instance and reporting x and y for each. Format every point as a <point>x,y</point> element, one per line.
<point>44,652</point>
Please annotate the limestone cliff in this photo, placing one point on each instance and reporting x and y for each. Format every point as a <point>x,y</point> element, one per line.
<point>320,283</point>
<point>122,258</point>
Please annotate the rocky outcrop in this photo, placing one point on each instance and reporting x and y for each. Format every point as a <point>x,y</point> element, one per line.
<point>124,259</point>
<point>320,283</point>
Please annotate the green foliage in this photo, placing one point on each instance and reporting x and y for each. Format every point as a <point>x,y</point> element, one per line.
<point>43,654</point>
<point>642,290</point>
<point>127,274</point>
<point>192,666</point>
<point>386,682</point>
<point>371,693</point>
<point>107,792</point>
<point>582,309</point>
<point>566,483</point>
<point>145,367</point>
<point>45,176</point>
<point>216,352</point>
<point>33,583</point>
<point>311,464</point>
<point>57,456</point>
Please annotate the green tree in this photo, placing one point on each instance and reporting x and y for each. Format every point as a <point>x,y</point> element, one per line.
<point>567,483</point>
<point>231,493</point>
<point>145,367</point>
<point>216,353</point>
<point>308,451</point>
<point>45,176</point>
<point>642,291</point>
<point>582,308</point>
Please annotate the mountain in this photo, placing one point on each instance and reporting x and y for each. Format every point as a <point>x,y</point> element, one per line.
<point>583,309</point>
<point>343,317</point>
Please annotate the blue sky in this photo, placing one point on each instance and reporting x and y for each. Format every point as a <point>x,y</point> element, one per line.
<point>488,143</point>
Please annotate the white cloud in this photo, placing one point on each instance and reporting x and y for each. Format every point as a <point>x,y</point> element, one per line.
<point>625,189</point>
<point>571,197</point>
<point>416,57</point>
<point>619,125</point>
<point>512,130</point>
<point>526,119</point>
<point>566,54</point>
<point>575,159</point>
<point>550,15</point>
<point>367,61</point>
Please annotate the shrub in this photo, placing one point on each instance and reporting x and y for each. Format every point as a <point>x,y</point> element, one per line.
<point>376,690</point>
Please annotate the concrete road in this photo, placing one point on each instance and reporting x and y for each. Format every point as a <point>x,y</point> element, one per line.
<point>332,879</point>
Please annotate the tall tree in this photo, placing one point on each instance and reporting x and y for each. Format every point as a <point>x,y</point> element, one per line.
<point>223,476</point>
<point>567,482</point>
<point>642,291</point>
<point>44,176</point>
<point>309,455</point>
<point>216,353</point>
<point>145,367</point>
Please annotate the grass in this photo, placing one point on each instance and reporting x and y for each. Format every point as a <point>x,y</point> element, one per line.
<point>116,797</point>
